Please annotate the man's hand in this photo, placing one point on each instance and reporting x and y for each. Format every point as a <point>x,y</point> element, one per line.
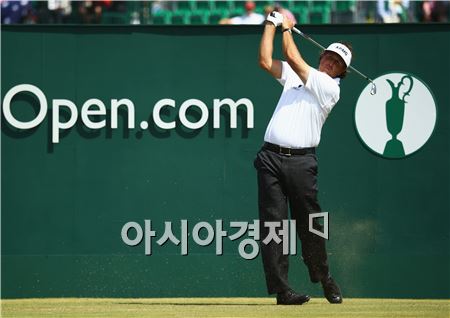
<point>287,23</point>
<point>275,17</point>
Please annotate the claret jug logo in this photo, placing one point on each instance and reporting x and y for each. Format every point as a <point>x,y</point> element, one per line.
<point>399,119</point>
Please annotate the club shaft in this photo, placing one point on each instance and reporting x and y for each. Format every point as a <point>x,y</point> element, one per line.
<point>307,37</point>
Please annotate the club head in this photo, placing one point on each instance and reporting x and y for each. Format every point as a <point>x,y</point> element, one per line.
<point>373,90</point>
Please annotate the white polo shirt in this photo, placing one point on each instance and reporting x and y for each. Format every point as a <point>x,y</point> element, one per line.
<point>302,109</point>
<point>252,18</point>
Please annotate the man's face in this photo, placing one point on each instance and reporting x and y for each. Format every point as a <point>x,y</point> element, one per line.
<point>332,64</point>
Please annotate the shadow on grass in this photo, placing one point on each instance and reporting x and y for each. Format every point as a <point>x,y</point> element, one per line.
<point>195,304</point>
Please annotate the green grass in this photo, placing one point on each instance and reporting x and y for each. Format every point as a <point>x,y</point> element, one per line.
<point>220,307</point>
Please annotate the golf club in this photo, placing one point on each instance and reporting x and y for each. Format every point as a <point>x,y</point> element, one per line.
<point>373,90</point>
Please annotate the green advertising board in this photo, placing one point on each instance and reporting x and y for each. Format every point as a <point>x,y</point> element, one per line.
<point>106,125</point>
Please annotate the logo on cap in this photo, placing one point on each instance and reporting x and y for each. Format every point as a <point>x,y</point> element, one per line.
<point>342,49</point>
<point>399,119</point>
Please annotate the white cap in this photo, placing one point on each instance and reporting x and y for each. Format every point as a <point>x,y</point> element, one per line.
<point>342,51</point>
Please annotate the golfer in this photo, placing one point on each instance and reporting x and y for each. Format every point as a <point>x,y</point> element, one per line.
<point>287,163</point>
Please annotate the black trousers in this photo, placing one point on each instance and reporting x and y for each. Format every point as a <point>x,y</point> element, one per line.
<point>289,181</point>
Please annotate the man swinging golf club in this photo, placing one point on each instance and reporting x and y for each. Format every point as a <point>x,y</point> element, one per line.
<point>287,165</point>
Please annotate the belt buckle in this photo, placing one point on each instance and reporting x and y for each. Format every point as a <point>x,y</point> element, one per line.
<point>287,154</point>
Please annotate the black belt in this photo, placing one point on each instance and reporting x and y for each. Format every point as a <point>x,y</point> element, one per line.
<point>288,151</point>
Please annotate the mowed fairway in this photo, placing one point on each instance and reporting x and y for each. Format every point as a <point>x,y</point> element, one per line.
<point>220,307</point>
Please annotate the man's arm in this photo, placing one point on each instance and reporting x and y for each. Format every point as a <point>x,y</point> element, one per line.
<point>265,52</point>
<point>292,54</point>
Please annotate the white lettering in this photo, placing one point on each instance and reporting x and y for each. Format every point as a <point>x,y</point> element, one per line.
<point>157,109</point>
<point>87,111</point>
<point>56,124</point>
<point>7,106</point>
<point>233,111</point>
<point>93,108</point>
<point>203,119</point>
<point>115,104</point>
<point>139,233</point>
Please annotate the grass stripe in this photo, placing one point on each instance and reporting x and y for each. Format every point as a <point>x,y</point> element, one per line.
<point>220,307</point>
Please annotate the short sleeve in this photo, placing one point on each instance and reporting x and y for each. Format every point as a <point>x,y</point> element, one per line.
<point>288,75</point>
<point>236,20</point>
<point>324,88</point>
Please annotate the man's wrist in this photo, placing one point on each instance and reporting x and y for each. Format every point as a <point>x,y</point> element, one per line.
<point>287,30</point>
